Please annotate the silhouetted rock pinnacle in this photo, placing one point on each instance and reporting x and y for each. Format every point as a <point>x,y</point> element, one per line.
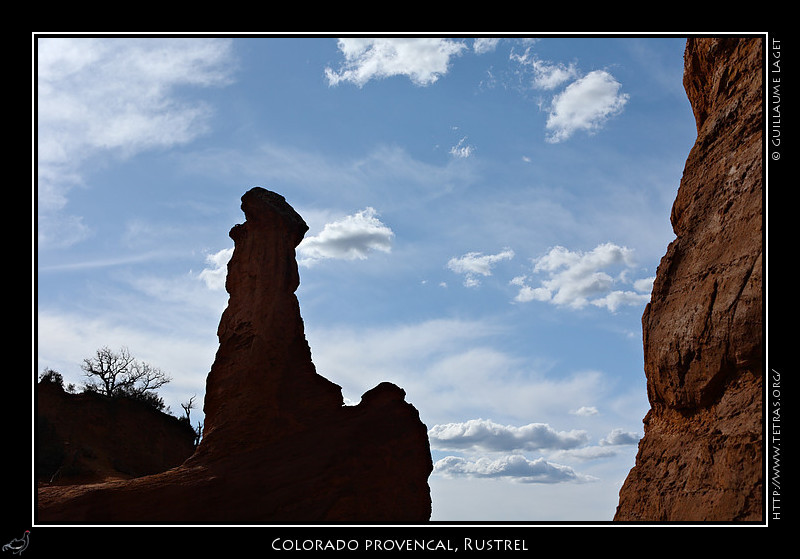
<point>278,443</point>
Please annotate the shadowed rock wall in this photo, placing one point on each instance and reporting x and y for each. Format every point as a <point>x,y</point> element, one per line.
<point>87,437</point>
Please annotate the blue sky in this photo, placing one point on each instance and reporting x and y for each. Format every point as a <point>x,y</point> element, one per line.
<point>486,217</point>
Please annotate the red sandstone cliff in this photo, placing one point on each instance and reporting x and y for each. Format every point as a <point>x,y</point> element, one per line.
<point>701,455</point>
<point>278,444</point>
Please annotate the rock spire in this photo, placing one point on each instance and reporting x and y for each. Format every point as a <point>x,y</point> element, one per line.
<point>279,446</point>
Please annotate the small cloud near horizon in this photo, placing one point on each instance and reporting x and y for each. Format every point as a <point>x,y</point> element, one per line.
<point>514,467</point>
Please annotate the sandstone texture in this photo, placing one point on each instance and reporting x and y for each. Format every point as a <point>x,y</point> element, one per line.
<point>278,444</point>
<point>701,458</point>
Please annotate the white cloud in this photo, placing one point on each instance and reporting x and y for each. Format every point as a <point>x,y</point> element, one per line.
<point>514,467</point>
<point>586,411</point>
<point>483,45</point>
<point>585,104</point>
<point>113,97</point>
<point>214,277</point>
<point>546,75</point>
<point>471,281</point>
<point>620,437</point>
<point>644,285</point>
<point>476,263</point>
<point>423,60</point>
<point>617,299</point>
<point>350,238</point>
<point>527,293</point>
<point>585,454</point>
<point>486,435</point>
<point>575,279</point>
<point>462,150</point>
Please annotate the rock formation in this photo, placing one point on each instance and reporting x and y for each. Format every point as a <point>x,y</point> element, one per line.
<point>87,437</point>
<point>704,354</point>
<point>278,444</point>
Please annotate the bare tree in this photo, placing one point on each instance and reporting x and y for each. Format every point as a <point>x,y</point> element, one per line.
<point>187,407</point>
<point>143,378</point>
<point>198,433</point>
<point>110,368</point>
<point>119,374</point>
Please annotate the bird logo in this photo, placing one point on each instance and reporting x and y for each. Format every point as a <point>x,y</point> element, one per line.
<point>18,545</point>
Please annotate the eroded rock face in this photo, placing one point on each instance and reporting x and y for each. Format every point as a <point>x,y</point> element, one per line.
<point>87,437</point>
<point>278,444</point>
<point>701,455</point>
<point>263,364</point>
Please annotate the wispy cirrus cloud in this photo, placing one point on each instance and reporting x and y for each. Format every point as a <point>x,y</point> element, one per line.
<point>453,357</point>
<point>113,97</point>
<point>482,45</point>
<point>544,74</point>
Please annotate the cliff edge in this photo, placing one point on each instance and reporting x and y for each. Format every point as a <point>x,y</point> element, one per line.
<point>701,457</point>
<point>278,444</point>
<point>88,438</point>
